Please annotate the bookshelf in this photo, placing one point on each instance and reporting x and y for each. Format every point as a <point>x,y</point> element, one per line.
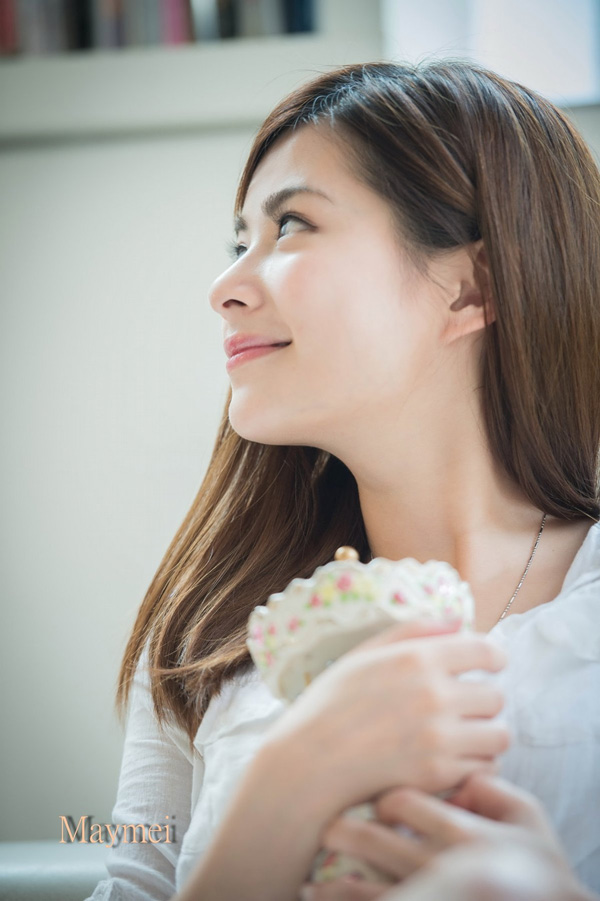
<point>219,84</point>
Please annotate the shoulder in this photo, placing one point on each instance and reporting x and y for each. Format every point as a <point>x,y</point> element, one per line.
<point>586,565</point>
<point>243,704</point>
<point>571,621</point>
<point>552,680</point>
<point>568,625</point>
<point>143,727</point>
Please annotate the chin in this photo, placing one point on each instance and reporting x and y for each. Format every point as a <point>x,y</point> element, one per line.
<point>264,425</point>
<point>259,425</point>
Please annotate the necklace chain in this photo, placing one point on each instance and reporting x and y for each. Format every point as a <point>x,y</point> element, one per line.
<point>537,541</point>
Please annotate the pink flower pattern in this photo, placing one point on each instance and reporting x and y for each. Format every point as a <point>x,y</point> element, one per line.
<point>266,635</point>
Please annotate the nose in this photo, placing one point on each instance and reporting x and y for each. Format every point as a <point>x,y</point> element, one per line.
<point>235,289</point>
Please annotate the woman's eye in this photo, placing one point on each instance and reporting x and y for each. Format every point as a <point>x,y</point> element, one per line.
<point>288,217</point>
<point>234,251</point>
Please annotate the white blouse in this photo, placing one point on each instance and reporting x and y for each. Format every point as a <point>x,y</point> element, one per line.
<point>552,691</point>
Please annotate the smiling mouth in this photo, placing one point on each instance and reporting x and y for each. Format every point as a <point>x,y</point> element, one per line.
<point>250,353</point>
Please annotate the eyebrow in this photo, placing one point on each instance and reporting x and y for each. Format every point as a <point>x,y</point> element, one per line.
<point>273,203</point>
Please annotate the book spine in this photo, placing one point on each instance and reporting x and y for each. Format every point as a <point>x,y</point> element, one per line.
<point>78,24</point>
<point>175,22</point>
<point>205,20</point>
<point>299,15</point>
<point>31,26</point>
<point>9,39</point>
<point>108,24</point>
<point>152,21</point>
<point>248,18</point>
<point>257,18</point>
<point>134,23</point>
<point>271,17</point>
<point>228,18</point>
<point>55,26</point>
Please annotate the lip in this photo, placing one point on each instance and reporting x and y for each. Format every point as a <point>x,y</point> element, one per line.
<point>237,343</point>
<point>250,353</point>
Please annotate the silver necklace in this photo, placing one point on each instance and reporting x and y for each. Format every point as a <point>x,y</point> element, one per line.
<point>537,541</point>
<point>508,606</point>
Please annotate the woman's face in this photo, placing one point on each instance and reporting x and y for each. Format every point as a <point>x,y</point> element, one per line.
<point>324,274</point>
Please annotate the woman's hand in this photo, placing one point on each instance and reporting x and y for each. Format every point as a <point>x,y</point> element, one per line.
<point>491,840</point>
<point>393,712</point>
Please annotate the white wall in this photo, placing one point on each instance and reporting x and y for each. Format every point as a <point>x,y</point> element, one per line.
<point>551,46</point>
<point>112,387</point>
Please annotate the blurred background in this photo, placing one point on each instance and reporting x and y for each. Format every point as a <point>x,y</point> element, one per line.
<point>123,130</point>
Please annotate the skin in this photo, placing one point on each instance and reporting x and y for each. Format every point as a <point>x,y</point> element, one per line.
<point>370,334</point>
<point>518,856</point>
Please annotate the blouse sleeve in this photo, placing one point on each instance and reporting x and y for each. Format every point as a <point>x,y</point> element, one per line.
<point>155,787</point>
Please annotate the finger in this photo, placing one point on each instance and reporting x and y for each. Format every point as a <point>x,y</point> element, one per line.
<point>478,739</point>
<point>467,767</point>
<point>476,699</point>
<point>395,854</point>
<point>494,873</point>
<point>466,737</point>
<point>345,889</point>
<point>440,773</point>
<point>440,823</point>
<point>462,769</point>
<point>494,798</point>
<point>421,628</point>
<point>486,765</point>
<point>464,652</point>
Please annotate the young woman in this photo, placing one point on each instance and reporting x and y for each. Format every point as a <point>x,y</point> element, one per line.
<point>416,268</point>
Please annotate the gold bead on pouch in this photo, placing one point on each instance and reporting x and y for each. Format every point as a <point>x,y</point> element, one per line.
<point>346,553</point>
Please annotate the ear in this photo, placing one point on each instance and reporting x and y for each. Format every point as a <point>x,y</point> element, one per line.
<point>466,312</point>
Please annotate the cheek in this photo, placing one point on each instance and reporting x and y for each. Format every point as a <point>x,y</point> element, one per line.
<point>355,316</point>
<point>359,326</point>
<point>311,299</point>
<point>325,295</point>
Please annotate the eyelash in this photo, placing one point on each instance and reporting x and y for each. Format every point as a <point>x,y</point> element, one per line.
<point>234,250</point>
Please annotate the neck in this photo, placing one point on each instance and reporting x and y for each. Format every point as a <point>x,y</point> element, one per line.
<point>439,495</point>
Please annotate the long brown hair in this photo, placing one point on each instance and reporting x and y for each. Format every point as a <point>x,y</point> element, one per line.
<point>459,154</point>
